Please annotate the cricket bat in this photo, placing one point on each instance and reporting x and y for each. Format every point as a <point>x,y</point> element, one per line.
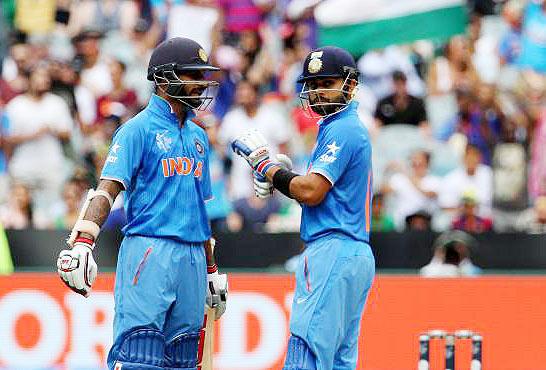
<point>206,341</point>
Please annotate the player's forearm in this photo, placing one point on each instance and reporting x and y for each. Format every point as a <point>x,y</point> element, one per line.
<point>303,188</point>
<point>209,252</point>
<point>99,208</point>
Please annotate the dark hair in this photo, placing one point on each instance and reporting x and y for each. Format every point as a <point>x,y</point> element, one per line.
<point>399,76</point>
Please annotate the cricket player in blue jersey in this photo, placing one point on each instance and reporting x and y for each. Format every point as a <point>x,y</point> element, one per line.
<point>166,270</point>
<point>336,269</point>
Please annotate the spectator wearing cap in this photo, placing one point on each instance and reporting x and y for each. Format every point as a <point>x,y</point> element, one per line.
<point>91,64</point>
<point>401,107</point>
<point>419,221</point>
<point>468,220</point>
<point>452,256</point>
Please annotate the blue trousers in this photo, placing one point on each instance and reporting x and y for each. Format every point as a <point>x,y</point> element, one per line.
<point>333,279</point>
<point>160,284</point>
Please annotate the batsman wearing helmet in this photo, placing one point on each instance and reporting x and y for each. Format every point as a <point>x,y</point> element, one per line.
<point>336,270</point>
<point>166,270</point>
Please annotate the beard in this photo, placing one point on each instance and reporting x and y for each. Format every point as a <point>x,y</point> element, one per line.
<point>324,107</point>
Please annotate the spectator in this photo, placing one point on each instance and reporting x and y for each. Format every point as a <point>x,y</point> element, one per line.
<point>381,221</point>
<point>239,16</point>
<point>480,129</point>
<point>510,43</point>
<point>17,212</point>
<point>533,47</point>
<point>250,113</point>
<point>16,67</point>
<point>114,108</point>
<point>468,219</point>
<point>419,221</point>
<point>472,176</point>
<point>454,70</point>
<point>252,213</point>
<point>533,220</point>
<point>537,161</point>
<point>401,107</point>
<point>452,256</point>
<point>414,190</point>
<point>94,69</point>
<point>103,15</point>
<point>72,198</point>
<point>39,124</point>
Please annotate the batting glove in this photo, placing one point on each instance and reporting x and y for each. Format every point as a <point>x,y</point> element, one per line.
<point>77,268</point>
<point>217,290</point>
<point>262,187</point>
<point>254,149</point>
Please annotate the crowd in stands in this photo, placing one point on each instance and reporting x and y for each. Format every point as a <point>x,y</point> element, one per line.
<point>458,128</point>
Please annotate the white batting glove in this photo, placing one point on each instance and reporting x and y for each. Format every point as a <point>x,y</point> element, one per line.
<point>262,187</point>
<point>217,291</point>
<point>77,268</point>
<point>254,149</point>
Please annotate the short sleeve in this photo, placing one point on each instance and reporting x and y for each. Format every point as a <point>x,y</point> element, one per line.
<point>124,156</point>
<point>333,154</point>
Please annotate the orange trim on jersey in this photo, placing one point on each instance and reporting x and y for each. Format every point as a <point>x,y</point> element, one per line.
<point>368,202</point>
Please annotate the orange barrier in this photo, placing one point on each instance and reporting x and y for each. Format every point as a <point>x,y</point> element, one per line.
<point>43,325</point>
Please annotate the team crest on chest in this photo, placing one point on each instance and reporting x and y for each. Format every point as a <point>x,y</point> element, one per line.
<point>200,147</point>
<point>162,141</point>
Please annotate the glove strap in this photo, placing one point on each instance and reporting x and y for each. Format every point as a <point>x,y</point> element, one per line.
<point>264,166</point>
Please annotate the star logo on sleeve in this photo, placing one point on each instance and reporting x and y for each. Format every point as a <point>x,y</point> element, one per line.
<point>332,148</point>
<point>115,148</point>
<point>330,155</point>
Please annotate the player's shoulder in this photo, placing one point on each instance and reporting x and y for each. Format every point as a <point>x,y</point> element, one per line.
<point>349,127</point>
<point>137,125</point>
<point>197,127</point>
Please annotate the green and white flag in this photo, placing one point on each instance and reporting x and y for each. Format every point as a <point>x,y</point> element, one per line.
<point>362,25</point>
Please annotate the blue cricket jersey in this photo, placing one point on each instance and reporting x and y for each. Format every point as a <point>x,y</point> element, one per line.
<point>343,155</point>
<point>164,169</point>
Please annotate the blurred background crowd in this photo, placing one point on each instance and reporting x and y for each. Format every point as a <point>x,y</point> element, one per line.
<point>458,126</point>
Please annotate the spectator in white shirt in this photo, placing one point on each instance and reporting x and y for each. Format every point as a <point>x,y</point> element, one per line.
<point>472,176</point>
<point>250,113</point>
<point>39,122</point>
<point>414,190</point>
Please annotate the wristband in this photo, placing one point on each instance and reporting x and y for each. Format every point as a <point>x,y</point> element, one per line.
<point>282,179</point>
<point>81,239</point>
<point>212,269</point>
<point>264,166</point>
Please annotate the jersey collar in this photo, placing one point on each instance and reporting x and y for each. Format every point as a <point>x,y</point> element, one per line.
<point>164,109</point>
<point>351,107</point>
